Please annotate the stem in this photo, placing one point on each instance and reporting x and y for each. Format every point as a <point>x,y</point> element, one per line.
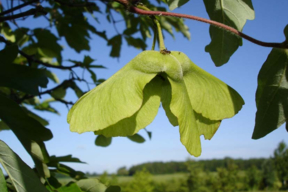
<point>154,39</point>
<point>38,9</point>
<point>211,22</point>
<point>158,29</point>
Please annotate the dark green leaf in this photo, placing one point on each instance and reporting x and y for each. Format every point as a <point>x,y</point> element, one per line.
<point>136,138</point>
<point>272,94</point>
<point>149,133</point>
<point>91,185</point>
<point>18,120</point>
<point>87,60</point>
<point>54,182</point>
<point>8,54</point>
<point>3,126</point>
<point>52,76</point>
<point>45,106</point>
<point>68,158</point>
<point>76,89</point>
<point>173,4</point>
<point>22,176</point>
<point>71,187</point>
<point>22,78</point>
<point>43,122</point>
<point>21,36</point>
<point>116,43</point>
<point>103,141</point>
<point>66,170</point>
<point>3,186</point>
<point>93,75</point>
<point>113,189</point>
<point>137,43</point>
<point>233,13</point>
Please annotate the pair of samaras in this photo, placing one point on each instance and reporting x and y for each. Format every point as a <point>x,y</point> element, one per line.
<point>129,100</point>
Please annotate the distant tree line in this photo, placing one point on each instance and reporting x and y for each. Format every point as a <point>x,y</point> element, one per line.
<point>207,165</point>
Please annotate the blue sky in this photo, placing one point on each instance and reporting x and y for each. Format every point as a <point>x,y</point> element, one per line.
<point>233,139</point>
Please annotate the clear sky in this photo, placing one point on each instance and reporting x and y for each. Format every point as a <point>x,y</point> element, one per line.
<point>233,139</point>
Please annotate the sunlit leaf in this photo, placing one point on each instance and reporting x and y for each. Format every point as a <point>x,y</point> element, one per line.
<point>71,187</point>
<point>232,13</point>
<point>22,176</point>
<point>173,4</point>
<point>91,185</point>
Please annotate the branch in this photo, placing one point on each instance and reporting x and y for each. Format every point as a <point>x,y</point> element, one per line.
<point>136,10</point>
<point>75,4</point>
<point>17,7</point>
<point>38,9</point>
<point>30,58</point>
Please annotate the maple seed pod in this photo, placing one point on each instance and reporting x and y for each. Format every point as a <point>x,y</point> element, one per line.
<point>129,100</point>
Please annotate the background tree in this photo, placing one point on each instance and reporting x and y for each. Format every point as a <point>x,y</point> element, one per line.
<point>281,165</point>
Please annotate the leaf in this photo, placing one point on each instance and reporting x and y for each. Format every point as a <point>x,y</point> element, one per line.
<point>52,76</point>
<point>53,160</point>
<point>21,36</point>
<point>23,78</point>
<point>113,189</point>
<point>43,122</point>
<point>45,106</point>
<point>71,187</point>
<point>3,126</point>
<point>116,43</point>
<point>3,186</point>
<point>91,185</point>
<point>137,43</point>
<point>103,141</point>
<point>47,44</point>
<point>272,94</point>
<point>7,31</point>
<point>18,120</point>
<point>173,4</point>
<point>8,54</point>
<point>22,176</point>
<point>142,118</point>
<point>234,14</point>
<point>136,138</point>
<point>68,171</point>
<point>149,133</point>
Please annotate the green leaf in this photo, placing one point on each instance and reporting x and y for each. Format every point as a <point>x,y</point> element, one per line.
<point>18,120</point>
<point>173,4</point>
<point>3,186</point>
<point>91,185</point>
<point>137,43</point>
<point>43,122</point>
<point>71,187</point>
<point>47,44</point>
<point>21,36</point>
<point>23,78</point>
<point>116,43</point>
<point>232,13</point>
<point>22,176</point>
<point>53,160</point>
<point>113,189</point>
<point>52,76</point>
<point>8,54</point>
<point>103,141</point>
<point>7,31</point>
<point>272,94</point>
<point>45,106</point>
<point>3,126</point>
<point>136,138</point>
<point>68,171</point>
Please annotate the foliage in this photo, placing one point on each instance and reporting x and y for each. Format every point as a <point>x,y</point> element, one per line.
<point>30,56</point>
<point>280,162</point>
